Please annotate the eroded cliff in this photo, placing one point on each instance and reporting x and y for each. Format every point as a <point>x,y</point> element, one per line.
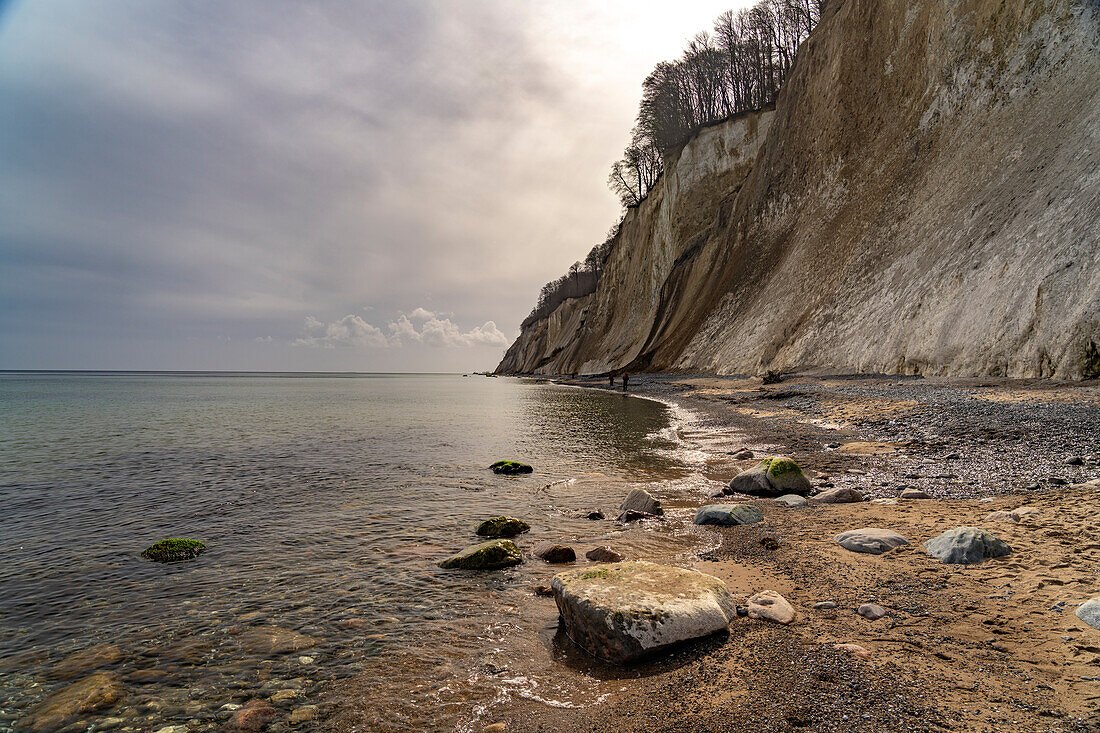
<point>925,198</point>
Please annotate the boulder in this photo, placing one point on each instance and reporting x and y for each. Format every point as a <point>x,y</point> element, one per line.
<point>1025,511</point>
<point>1001,517</point>
<point>251,717</point>
<point>728,515</point>
<point>770,606</point>
<point>86,660</point>
<point>966,545</point>
<point>94,692</point>
<point>502,527</point>
<point>1089,612</point>
<point>628,610</point>
<point>871,540</point>
<point>640,500</point>
<point>771,477</point>
<point>554,553</point>
<point>871,612</point>
<point>489,555</point>
<point>174,550</point>
<point>743,455</point>
<point>839,495</point>
<point>603,554</point>
<point>595,516</point>
<point>914,494</point>
<point>889,501</point>
<point>633,516</point>
<point>510,468</point>
<point>792,500</point>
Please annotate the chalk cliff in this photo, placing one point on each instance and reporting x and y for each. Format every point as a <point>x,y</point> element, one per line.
<point>924,198</point>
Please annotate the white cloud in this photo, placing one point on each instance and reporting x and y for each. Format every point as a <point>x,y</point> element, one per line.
<point>351,330</point>
<point>421,314</point>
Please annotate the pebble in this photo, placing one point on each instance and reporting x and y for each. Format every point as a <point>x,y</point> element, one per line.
<point>770,606</point>
<point>914,494</point>
<point>172,729</point>
<point>306,660</point>
<point>494,728</point>
<point>108,723</point>
<point>871,612</point>
<point>302,714</point>
<point>854,649</point>
<point>825,605</point>
<point>1075,461</point>
<point>1056,481</point>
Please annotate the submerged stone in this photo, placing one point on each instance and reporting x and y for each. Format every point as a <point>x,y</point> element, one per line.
<point>640,500</point>
<point>510,468</point>
<point>88,695</point>
<point>502,527</point>
<point>771,477</point>
<point>603,554</point>
<point>174,550</point>
<point>966,545</point>
<point>626,611</point>
<point>728,515</point>
<point>554,553</point>
<point>486,556</point>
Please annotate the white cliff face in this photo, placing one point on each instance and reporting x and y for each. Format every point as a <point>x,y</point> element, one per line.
<point>924,199</point>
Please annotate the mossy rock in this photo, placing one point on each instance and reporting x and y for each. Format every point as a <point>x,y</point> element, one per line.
<point>174,550</point>
<point>486,556</point>
<point>502,527</point>
<point>510,468</point>
<point>772,477</point>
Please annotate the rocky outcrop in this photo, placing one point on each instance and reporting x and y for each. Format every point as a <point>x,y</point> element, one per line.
<point>923,199</point>
<point>626,611</point>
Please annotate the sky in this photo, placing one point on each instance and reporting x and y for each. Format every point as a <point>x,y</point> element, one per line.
<point>345,186</point>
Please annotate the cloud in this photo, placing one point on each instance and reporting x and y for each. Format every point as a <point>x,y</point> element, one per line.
<point>351,330</point>
<point>421,314</point>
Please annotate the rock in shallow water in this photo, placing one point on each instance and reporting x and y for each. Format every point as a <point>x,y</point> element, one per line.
<point>92,693</point>
<point>603,554</point>
<point>964,545</point>
<point>1089,612</point>
<point>174,550</point>
<point>274,640</point>
<point>86,660</point>
<point>871,540</point>
<point>502,527</point>
<point>510,468</point>
<point>728,515</point>
<point>625,611</point>
<point>251,717</point>
<point>640,500</point>
<point>771,477</point>
<point>554,553</point>
<point>486,556</point>
<point>770,606</point>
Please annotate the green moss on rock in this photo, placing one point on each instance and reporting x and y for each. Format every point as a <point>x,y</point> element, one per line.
<point>502,527</point>
<point>510,468</point>
<point>174,550</point>
<point>486,556</point>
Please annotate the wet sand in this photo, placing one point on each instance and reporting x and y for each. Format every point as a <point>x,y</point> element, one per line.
<point>988,647</point>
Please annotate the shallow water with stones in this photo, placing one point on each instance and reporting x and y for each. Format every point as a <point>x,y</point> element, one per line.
<point>325,501</point>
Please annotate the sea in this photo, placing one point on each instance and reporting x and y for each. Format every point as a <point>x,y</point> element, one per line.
<point>326,502</point>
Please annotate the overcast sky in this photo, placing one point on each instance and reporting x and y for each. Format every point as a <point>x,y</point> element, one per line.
<point>366,186</point>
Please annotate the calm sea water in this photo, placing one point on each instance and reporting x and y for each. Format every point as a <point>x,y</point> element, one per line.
<point>326,502</point>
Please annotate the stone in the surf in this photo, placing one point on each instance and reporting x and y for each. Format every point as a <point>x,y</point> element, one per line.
<point>94,692</point>
<point>871,540</point>
<point>603,554</point>
<point>839,495</point>
<point>174,550</point>
<point>625,611</point>
<point>640,500</point>
<point>502,527</point>
<point>510,468</point>
<point>86,660</point>
<point>251,717</point>
<point>768,605</point>
<point>964,545</point>
<point>554,553</point>
<point>1089,612</point>
<point>274,640</point>
<point>728,515</point>
<point>771,477</point>
<point>791,500</point>
<point>486,556</point>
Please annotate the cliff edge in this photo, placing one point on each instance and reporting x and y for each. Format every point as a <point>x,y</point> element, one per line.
<point>923,199</point>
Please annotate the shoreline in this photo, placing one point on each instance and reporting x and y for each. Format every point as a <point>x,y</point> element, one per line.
<point>993,646</point>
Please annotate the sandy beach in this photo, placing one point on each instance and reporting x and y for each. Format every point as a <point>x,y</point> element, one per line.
<point>994,646</point>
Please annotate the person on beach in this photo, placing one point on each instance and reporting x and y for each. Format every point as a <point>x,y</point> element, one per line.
<point>626,377</point>
<point>611,380</point>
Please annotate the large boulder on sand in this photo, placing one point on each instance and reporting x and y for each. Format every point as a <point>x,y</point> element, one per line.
<point>872,540</point>
<point>640,500</point>
<point>486,556</point>
<point>502,527</point>
<point>839,495</point>
<point>771,477</point>
<point>966,545</point>
<point>728,515</point>
<point>791,500</point>
<point>626,611</point>
<point>768,605</point>
<point>1089,612</point>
